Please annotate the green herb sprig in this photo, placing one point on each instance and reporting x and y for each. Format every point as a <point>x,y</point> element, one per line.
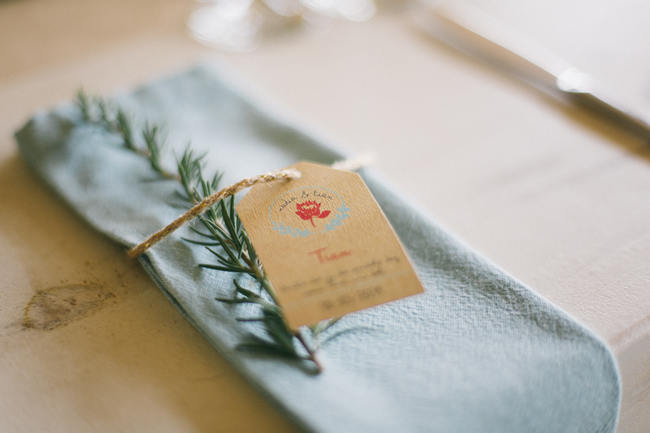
<point>220,231</point>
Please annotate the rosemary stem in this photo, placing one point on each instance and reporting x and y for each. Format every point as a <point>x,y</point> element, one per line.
<point>223,225</point>
<point>164,173</point>
<point>311,354</point>
<point>266,284</point>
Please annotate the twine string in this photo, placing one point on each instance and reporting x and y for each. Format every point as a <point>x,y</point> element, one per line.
<point>273,176</point>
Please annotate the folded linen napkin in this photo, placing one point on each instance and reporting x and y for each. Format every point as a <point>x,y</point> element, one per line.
<point>478,352</point>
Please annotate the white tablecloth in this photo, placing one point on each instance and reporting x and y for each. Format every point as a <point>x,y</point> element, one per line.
<point>550,193</point>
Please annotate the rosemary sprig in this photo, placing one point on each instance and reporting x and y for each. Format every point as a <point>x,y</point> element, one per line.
<point>220,231</point>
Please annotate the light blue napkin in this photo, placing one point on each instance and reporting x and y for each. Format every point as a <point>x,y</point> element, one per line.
<point>478,352</point>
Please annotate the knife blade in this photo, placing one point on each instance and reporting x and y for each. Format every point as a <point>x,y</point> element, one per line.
<point>475,33</point>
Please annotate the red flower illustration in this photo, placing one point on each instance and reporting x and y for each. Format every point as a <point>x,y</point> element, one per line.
<point>309,209</point>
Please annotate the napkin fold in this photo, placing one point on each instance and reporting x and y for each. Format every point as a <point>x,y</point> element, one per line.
<point>478,352</point>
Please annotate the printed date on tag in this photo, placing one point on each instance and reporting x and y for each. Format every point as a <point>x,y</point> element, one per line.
<point>325,245</point>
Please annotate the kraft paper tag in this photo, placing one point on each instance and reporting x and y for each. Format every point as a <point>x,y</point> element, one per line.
<point>325,245</point>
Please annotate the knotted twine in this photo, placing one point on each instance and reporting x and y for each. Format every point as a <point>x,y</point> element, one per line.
<point>272,176</point>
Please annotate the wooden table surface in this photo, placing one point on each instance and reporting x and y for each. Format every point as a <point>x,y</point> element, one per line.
<point>549,193</point>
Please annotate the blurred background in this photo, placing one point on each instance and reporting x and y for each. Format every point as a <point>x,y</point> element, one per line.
<point>554,193</point>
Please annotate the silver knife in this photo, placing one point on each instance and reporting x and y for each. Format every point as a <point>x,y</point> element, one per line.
<point>469,30</point>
